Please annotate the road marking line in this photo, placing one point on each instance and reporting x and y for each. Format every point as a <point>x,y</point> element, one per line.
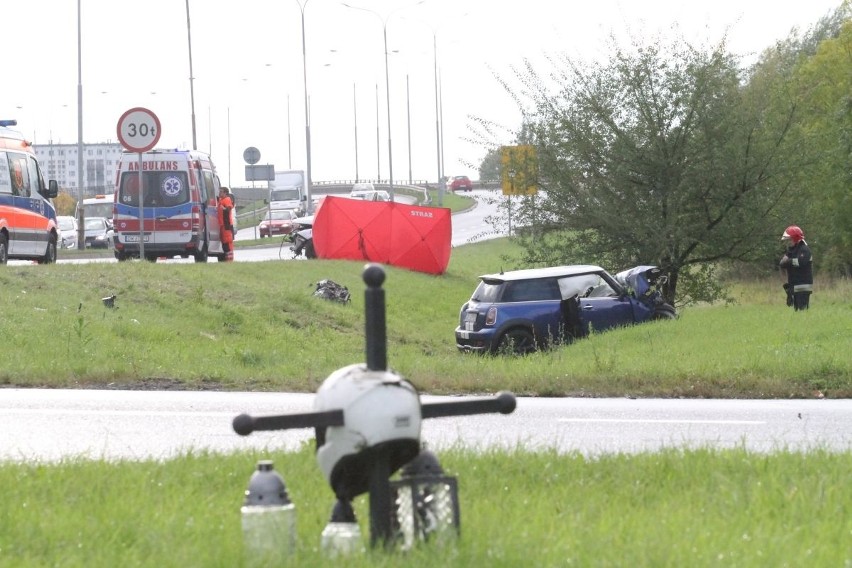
<point>648,421</point>
<point>93,412</point>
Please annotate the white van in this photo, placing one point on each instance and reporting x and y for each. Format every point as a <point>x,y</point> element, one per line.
<point>28,229</point>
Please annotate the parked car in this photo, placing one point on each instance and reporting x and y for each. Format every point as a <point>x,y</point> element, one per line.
<point>67,231</point>
<point>367,192</point>
<point>277,222</point>
<point>524,310</point>
<point>458,183</point>
<point>361,188</point>
<point>99,233</point>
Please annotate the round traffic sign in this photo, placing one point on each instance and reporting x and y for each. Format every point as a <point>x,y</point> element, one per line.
<point>251,155</point>
<point>138,129</point>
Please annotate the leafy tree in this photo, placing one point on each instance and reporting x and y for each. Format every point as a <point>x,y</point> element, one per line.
<point>825,80</point>
<point>489,168</point>
<point>661,154</point>
<point>64,203</point>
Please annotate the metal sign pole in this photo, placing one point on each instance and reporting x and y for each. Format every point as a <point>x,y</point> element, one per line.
<point>138,131</point>
<point>141,214</point>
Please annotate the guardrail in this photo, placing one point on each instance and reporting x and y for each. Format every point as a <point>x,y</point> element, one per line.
<point>344,186</point>
<point>245,197</point>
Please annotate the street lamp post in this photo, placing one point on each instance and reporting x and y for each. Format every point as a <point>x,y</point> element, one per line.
<point>81,230</point>
<point>354,121</point>
<point>310,205</point>
<point>355,117</point>
<point>438,139</point>
<point>378,141</point>
<point>289,145</point>
<point>191,79</point>
<point>408,117</point>
<point>387,95</point>
<point>384,22</point>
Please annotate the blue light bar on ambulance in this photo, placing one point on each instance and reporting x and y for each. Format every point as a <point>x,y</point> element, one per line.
<point>9,122</point>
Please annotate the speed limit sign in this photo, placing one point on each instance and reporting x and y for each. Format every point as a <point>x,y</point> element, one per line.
<point>138,130</point>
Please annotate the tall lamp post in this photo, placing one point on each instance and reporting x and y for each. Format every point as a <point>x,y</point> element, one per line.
<point>408,118</point>
<point>289,144</point>
<point>384,22</point>
<point>81,230</point>
<point>310,205</point>
<point>378,141</point>
<point>191,79</point>
<point>439,129</point>
<point>355,116</point>
<point>438,140</point>
<point>354,121</point>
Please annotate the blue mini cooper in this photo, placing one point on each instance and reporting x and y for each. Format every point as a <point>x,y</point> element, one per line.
<point>524,310</point>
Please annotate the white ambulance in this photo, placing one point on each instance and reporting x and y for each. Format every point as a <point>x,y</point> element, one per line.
<point>28,229</point>
<point>178,206</point>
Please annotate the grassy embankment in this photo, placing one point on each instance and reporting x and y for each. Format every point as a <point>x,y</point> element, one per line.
<point>256,325</point>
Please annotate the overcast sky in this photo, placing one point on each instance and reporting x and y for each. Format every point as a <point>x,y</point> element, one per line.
<point>247,69</point>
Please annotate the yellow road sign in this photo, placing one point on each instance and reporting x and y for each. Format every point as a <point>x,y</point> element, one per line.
<point>519,170</point>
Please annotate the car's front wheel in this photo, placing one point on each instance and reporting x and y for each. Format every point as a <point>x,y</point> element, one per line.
<point>4,249</point>
<point>664,311</point>
<point>50,253</point>
<point>516,341</point>
<point>201,255</point>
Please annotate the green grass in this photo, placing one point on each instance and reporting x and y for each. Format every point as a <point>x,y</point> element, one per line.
<point>694,508</point>
<point>256,326</point>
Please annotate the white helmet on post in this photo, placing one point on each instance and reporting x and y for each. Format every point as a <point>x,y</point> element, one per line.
<point>381,413</point>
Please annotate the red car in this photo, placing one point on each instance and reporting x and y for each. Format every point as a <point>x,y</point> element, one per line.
<point>277,222</point>
<point>460,182</point>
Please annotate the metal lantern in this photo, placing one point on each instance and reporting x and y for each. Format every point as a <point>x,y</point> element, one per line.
<point>425,503</point>
<point>268,517</point>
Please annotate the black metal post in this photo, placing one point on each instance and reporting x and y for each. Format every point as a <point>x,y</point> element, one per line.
<point>374,308</point>
<point>380,501</point>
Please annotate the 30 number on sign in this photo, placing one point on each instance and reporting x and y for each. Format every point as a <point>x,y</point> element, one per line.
<point>143,130</point>
<point>138,129</point>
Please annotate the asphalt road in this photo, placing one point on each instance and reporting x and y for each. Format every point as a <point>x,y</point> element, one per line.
<point>112,424</point>
<point>468,226</point>
<point>56,424</point>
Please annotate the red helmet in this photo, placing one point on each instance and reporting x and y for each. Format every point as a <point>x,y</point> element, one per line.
<point>793,233</point>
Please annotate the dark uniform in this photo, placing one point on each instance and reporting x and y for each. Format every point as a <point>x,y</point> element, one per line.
<point>798,262</point>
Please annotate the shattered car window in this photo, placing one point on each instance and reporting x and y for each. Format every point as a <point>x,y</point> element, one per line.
<point>585,286</point>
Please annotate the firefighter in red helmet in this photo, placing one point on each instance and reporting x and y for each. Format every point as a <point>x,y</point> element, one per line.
<point>797,262</point>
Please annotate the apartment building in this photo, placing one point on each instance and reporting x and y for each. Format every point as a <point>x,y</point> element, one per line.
<point>59,162</point>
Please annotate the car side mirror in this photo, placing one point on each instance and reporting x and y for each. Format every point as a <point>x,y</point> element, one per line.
<point>52,189</point>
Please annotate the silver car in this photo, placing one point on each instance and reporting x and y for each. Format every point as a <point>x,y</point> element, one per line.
<point>67,231</point>
<point>99,233</point>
